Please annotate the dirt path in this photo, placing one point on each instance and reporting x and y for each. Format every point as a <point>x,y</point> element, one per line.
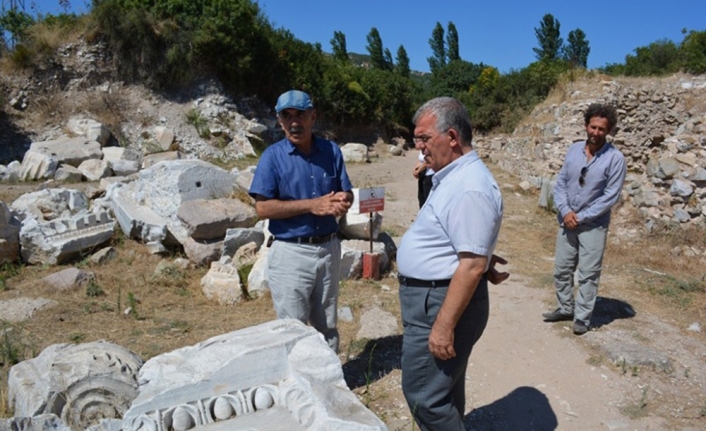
<point>524,374</point>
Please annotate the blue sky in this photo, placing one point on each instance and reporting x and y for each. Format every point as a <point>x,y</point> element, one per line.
<point>495,32</point>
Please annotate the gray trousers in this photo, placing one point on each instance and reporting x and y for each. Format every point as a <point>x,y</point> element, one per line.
<point>580,248</point>
<point>435,389</point>
<point>303,281</point>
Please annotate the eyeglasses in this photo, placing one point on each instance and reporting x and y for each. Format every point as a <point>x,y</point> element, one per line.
<point>582,181</point>
<point>423,139</point>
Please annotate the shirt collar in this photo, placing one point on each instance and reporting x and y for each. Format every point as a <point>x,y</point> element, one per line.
<point>465,159</point>
<point>315,145</point>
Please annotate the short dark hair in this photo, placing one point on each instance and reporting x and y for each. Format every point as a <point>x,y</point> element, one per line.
<point>450,113</point>
<point>603,111</point>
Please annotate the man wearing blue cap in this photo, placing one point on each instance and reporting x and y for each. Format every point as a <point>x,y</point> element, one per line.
<point>301,186</point>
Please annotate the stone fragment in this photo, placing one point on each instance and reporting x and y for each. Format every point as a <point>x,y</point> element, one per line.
<point>103,255</point>
<point>201,252</point>
<point>257,279</point>
<point>68,278</point>
<point>210,219</point>
<point>238,237</point>
<point>377,323</point>
<point>91,129</point>
<point>278,376</point>
<point>36,166</point>
<point>95,169</point>
<point>80,384</point>
<point>69,174</point>
<point>222,282</point>
<point>48,422</point>
<point>352,257</point>
<point>357,226</point>
<point>355,153</point>
<point>71,151</point>
<point>20,309</point>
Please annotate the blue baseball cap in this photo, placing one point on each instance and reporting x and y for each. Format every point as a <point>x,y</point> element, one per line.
<point>293,99</point>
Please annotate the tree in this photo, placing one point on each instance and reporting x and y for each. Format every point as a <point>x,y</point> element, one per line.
<point>402,65</point>
<point>15,22</point>
<point>389,65</point>
<point>549,39</point>
<point>338,46</point>
<point>693,52</point>
<point>452,43</point>
<point>438,58</point>
<point>576,49</point>
<point>377,56</point>
<point>658,58</point>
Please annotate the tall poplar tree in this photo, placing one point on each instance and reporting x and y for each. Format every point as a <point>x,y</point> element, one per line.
<point>338,46</point>
<point>402,64</point>
<point>438,49</point>
<point>549,39</point>
<point>452,52</point>
<point>376,52</point>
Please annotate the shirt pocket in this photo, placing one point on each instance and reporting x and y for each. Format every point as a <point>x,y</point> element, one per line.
<point>327,184</point>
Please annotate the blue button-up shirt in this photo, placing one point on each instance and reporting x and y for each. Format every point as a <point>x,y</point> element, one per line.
<point>462,214</point>
<point>602,184</point>
<point>287,174</point>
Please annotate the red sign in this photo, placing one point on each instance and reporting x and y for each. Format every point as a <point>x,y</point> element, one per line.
<point>371,200</point>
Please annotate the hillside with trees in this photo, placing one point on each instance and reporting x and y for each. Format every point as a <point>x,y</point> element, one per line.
<point>168,45</point>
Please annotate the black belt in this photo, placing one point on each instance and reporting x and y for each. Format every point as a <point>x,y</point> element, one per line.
<point>309,239</point>
<point>414,282</point>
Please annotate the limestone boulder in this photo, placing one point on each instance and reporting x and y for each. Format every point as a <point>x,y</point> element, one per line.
<point>91,129</point>
<point>358,226</point>
<point>353,152</point>
<point>210,219</point>
<point>71,151</point>
<point>37,166</point>
<point>222,282</point>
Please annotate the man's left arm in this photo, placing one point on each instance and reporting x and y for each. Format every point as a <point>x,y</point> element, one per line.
<point>463,285</point>
<point>611,193</point>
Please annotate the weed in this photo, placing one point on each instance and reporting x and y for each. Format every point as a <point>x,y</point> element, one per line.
<point>132,305</point>
<point>93,290</point>
<point>7,270</point>
<point>15,344</point>
<point>368,376</point>
<point>243,274</point>
<point>200,123</point>
<point>77,338</point>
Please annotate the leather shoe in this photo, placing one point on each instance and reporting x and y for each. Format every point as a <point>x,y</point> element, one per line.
<point>580,328</point>
<point>557,316</point>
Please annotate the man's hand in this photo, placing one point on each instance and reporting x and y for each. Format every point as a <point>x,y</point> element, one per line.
<point>441,341</point>
<point>419,168</point>
<point>335,204</point>
<point>571,221</point>
<point>493,275</point>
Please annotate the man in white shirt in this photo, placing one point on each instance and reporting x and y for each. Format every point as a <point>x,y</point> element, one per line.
<point>442,260</point>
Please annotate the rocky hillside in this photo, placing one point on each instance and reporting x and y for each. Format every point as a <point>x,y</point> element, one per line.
<point>662,132</point>
<point>78,84</point>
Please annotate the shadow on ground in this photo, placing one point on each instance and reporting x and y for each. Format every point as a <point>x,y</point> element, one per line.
<point>377,359</point>
<point>524,409</point>
<point>608,309</point>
